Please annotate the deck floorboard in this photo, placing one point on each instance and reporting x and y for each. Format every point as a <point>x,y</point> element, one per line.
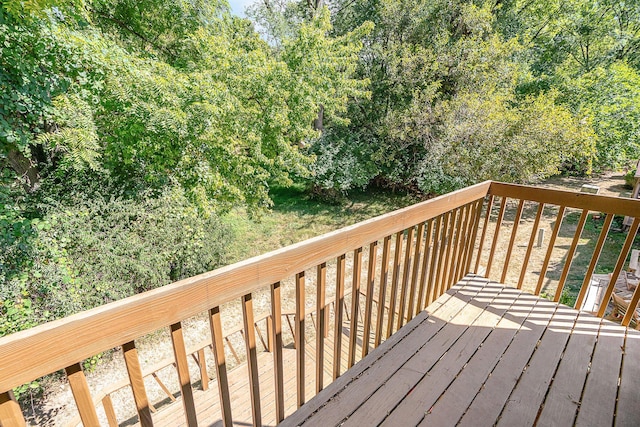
<point>502,357</point>
<point>481,354</point>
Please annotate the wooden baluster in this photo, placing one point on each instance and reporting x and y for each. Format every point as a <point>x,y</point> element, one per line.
<point>339,307</point>
<point>384,273</point>
<point>622,258</point>
<point>635,298</point>
<point>431,284</point>
<point>414,275</point>
<point>484,232</point>
<point>448,254</point>
<point>594,261</point>
<point>463,242</point>
<point>570,254</point>
<point>394,282</point>
<point>371,279</point>
<point>81,394</point>
<point>471,244</point>
<point>425,267</point>
<point>10,412</point>
<point>276,339</point>
<point>532,239</point>
<point>512,240</point>
<point>405,277</point>
<point>321,285</point>
<point>496,234</point>
<point>446,245</point>
<point>204,375</point>
<point>252,358</point>
<point>221,366</point>
<point>137,383</point>
<point>109,412</point>
<point>355,305</point>
<point>183,374</point>
<point>299,338</point>
<point>552,242</point>
<point>444,235</point>
<point>451,277</point>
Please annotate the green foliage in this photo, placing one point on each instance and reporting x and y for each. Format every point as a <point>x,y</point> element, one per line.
<point>91,252</point>
<point>446,108</point>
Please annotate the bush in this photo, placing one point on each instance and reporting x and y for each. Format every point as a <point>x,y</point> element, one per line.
<point>95,251</point>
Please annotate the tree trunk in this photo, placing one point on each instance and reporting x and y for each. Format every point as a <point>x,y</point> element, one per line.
<point>318,123</point>
<point>25,169</point>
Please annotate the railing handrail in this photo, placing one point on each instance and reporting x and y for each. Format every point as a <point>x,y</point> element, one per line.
<point>30,354</point>
<point>570,199</point>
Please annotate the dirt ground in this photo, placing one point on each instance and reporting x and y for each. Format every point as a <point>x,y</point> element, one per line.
<point>157,346</point>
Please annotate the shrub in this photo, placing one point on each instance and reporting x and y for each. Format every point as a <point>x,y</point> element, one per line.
<point>95,251</point>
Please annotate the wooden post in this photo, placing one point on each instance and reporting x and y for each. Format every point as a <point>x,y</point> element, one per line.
<point>299,338</point>
<point>183,374</point>
<point>321,333</point>
<point>81,394</point>
<point>221,366</point>
<point>540,237</point>
<point>10,412</point>
<point>252,358</point>
<point>276,339</point>
<point>137,383</point>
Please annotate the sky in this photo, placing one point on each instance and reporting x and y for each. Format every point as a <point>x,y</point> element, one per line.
<point>238,6</point>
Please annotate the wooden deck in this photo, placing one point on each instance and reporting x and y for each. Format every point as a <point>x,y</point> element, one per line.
<point>485,354</point>
<point>208,404</point>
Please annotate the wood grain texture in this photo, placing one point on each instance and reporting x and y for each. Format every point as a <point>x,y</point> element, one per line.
<point>512,240</point>
<point>109,411</point>
<point>339,307</point>
<point>420,302</point>
<point>624,252</point>
<point>414,273</point>
<point>592,202</point>
<point>355,305</point>
<point>321,309</point>
<point>532,239</point>
<point>395,278</point>
<point>384,276</point>
<point>299,337</point>
<point>552,243</point>
<point>252,358</point>
<point>570,255</point>
<point>10,412</point>
<point>184,378</point>
<point>221,366</point>
<point>487,217</point>
<point>406,272</point>
<point>278,368</point>
<point>368,306</point>
<point>137,383</point>
<point>82,395</point>
<point>130,318</point>
<point>594,260</point>
<point>496,235</point>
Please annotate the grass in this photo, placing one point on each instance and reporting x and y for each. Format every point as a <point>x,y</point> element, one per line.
<point>296,217</point>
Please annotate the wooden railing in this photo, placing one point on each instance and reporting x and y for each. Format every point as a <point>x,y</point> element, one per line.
<point>414,255</point>
<point>426,248</point>
<point>497,230</point>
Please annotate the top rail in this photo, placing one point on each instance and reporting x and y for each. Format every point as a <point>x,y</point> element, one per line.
<point>570,199</point>
<point>33,353</point>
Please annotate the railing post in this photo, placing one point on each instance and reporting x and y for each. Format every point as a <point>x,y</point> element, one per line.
<point>10,412</point>
<point>299,338</point>
<point>252,358</point>
<point>81,394</point>
<point>221,366</point>
<point>276,339</point>
<point>183,374</point>
<point>137,383</point>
